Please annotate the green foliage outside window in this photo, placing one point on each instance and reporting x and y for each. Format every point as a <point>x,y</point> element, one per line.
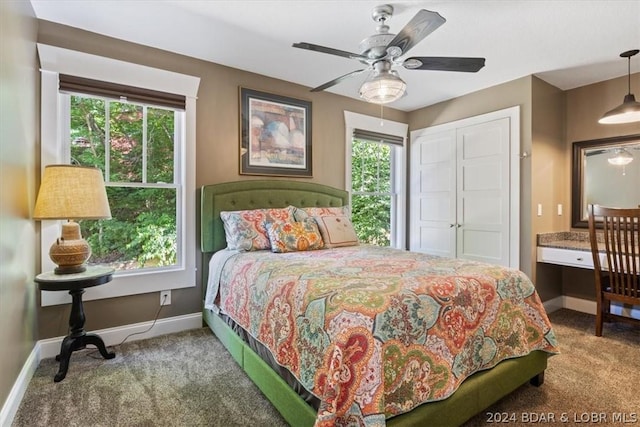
<point>371,189</point>
<point>142,232</point>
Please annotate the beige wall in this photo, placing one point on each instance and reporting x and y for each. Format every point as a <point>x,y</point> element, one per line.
<point>548,177</point>
<point>19,120</point>
<point>217,136</point>
<point>585,105</point>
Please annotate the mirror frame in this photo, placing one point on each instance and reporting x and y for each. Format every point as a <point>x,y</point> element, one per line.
<point>577,172</point>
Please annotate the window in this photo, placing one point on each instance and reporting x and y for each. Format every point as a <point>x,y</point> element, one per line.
<point>135,147</point>
<point>371,194</point>
<point>145,145</point>
<point>376,179</point>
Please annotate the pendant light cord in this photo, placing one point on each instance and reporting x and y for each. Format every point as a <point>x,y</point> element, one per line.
<point>629,73</point>
<point>628,54</point>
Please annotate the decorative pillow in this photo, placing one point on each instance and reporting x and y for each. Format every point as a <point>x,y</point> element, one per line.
<point>302,213</point>
<point>294,236</point>
<point>336,231</point>
<point>245,230</point>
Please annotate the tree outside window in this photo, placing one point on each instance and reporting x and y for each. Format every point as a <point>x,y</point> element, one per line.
<point>371,192</point>
<point>134,146</point>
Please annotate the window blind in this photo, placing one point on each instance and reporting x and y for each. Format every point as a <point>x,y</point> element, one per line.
<point>117,91</point>
<point>367,135</point>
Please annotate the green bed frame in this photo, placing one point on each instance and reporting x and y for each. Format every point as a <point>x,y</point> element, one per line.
<point>474,395</point>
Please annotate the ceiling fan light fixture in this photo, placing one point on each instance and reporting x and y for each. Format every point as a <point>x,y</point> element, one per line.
<point>629,111</point>
<point>622,157</point>
<point>383,88</point>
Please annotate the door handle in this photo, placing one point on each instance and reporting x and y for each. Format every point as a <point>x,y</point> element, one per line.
<point>458,225</point>
<point>451,225</point>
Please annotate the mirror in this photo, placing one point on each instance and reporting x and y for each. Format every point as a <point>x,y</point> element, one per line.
<point>605,172</point>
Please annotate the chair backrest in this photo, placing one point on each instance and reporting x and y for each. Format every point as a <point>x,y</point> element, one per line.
<point>620,240</point>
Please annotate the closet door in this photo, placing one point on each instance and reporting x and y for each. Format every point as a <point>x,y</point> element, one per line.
<point>464,189</point>
<point>482,192</point>
<point>433,194</point>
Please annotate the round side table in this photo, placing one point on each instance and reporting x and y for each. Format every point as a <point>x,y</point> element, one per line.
<point>76,283</point>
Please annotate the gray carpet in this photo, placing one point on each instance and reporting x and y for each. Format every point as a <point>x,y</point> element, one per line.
<point>183,379</point>
<point>188,379</point>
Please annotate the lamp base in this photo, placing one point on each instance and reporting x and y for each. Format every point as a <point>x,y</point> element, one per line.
<point>70,270</point>
<point>70,251</point>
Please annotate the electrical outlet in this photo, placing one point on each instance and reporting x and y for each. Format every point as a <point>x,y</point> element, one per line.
<point>165,297</point>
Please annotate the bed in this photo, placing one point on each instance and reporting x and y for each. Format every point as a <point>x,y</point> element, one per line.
<point>451,404</point>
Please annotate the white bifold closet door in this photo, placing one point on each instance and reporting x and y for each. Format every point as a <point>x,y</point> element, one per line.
<point>460,191</point>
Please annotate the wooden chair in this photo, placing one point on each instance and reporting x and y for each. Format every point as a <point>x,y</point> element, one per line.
<point>619,279</point>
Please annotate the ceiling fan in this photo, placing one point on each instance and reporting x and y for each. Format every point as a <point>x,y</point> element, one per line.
<point>382,51</point>
<point>622,155</point>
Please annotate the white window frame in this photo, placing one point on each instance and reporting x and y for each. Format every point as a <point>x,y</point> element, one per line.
<point>55,61</point>
<point>177,185</point>
<point>398,167</point>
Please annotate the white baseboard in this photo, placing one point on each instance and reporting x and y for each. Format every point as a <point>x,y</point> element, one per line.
<point>114,336</point>
<point>590,307</point>
<point>50,347</point>
<point>553,304</point>
<point>11,405</point>
<point>579,304</point>
<point>620,310</point>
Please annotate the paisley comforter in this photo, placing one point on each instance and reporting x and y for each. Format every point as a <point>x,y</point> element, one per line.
<point>374,332</point>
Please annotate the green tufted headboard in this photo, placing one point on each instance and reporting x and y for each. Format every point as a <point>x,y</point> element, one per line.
<point>255,194</point>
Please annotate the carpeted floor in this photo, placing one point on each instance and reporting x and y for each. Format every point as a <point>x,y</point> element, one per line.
<point>188,379</point>
<point>591,375</point>
<point>183,379</point>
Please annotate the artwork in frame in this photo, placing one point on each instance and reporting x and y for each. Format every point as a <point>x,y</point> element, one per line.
<point>275,135</point>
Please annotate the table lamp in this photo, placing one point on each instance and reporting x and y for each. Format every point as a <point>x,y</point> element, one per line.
<point>72,193</point>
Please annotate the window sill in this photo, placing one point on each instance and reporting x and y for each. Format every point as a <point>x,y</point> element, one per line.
<point>124,285</point>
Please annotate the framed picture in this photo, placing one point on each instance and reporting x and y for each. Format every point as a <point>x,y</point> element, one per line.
<point>275,135</point>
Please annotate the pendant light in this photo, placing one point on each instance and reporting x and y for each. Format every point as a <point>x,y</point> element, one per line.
<point>629,111</point>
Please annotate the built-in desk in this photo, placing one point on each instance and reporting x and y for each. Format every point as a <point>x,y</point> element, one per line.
<point>570,248</point>
<point>573,249</point>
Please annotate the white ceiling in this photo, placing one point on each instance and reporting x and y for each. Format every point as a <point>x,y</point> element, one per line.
<point>568,43</point>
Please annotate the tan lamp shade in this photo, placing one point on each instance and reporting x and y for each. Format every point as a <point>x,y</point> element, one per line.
<point>71,192</point>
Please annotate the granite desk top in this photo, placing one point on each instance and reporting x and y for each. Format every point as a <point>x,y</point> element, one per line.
<point>573,240</point>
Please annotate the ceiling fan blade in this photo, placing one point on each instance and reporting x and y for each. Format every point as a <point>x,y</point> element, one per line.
<point>421,25</point>
<point>336,81</point>
<point>329,50</point>
<point>443,63</point>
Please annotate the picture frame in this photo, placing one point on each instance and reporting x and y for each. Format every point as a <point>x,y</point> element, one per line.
<point>275,135</point>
